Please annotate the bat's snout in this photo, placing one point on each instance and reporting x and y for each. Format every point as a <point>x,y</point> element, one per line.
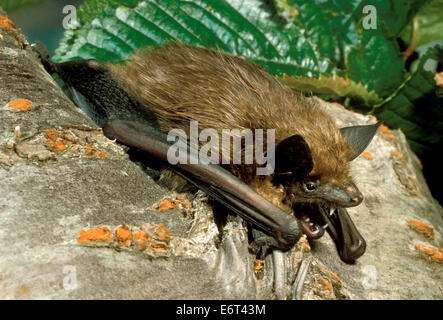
<point>341,196</point>
<point>355,196</point>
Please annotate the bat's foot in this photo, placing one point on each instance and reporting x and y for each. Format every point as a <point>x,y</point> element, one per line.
<point>262,244</point>
<point>280,287</point>
<point>297,287</point>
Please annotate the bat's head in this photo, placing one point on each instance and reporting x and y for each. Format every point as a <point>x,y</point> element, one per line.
<point>317,182</point>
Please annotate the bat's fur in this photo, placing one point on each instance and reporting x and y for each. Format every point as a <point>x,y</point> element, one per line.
<point>225,92</point>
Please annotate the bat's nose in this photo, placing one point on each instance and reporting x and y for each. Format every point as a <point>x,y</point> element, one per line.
<point>356,200</point>
<point>355,196</point>
<point>344,196</point>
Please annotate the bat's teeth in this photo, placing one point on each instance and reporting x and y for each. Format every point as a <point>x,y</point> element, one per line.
<point>325,226</point>
<point>331,211</point>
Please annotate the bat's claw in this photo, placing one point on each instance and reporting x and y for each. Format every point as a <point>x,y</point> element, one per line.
<point>297,287</point>
<point>280,287</point>
<point>262,244</point>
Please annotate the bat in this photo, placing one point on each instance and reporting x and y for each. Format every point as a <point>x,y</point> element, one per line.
<point>167,88</point>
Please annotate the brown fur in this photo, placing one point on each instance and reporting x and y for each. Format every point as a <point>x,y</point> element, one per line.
<point>182,83</point>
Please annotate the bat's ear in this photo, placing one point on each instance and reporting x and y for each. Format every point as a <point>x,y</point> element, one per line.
<point>293,156</point>
<point>359,137</point>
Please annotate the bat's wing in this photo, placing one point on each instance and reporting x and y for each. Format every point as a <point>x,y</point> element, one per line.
<point>213,179</point>
<point>125,119</point>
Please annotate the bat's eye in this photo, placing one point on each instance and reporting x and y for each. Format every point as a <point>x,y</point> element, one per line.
<point>309,186</point>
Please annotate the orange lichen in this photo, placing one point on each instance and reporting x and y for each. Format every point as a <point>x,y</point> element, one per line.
<point>153,238</point>
<point>89,150</point>
<point>421,227</point>
<point>395,154</point>
<point>51,134</point>
<point>180,201</point>
<point>140,239</point>
<point>157,247</point>
<point>161,233</point>
<point>333,274</point>
<point>6,23</point>
<point>367,155</point>
<point>166,204</point>
<point>259,265</point>
<point>412,185</point>
<point>160,237</point>
<point>386,133</point>
<point>383,129</point>
<point>327,284</point>
<point>20,104</point>
<point>123,235</point>
<point>55,141</point>
<point>431,253</point>
<point>419,163</point>
<point>398,156</point>
<point>59,146</point>
<point>74,148</point>
<point>67,136</point>
<point>101,154</point>
<point>139,235</point>
<point>96,235</point>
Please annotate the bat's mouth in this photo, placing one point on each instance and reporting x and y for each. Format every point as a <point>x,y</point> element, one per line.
<point>314,220</point>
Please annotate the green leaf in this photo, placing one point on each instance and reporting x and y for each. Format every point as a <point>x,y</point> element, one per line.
<point>112,31</point>
<point>329,25</point>
<point>376,62</point>
<point>333,86</point>
<point>415,108</point>
<point>368,56</point>
<point>11,5</point>
<point>430,19</point>
<point>294,37</point>
<point>396,15</point>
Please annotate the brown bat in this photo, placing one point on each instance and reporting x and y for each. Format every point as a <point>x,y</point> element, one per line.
<point>165,88</point>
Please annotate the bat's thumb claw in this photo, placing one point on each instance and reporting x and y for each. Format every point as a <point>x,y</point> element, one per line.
<point>40,49</point>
